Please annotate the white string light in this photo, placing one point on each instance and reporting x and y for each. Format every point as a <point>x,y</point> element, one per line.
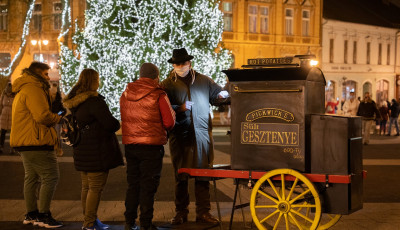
<point>122,34</point>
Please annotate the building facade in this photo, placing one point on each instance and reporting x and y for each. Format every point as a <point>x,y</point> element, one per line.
<point>360,49</point>
<point>252,29</point>
<point>359,58</point>
<point>42,42</point>
<point>271,28</point>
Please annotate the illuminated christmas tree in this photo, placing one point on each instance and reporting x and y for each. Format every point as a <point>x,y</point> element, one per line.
<point>120,35</point>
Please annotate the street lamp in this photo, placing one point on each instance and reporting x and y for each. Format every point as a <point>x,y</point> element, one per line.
<point>39,42</point>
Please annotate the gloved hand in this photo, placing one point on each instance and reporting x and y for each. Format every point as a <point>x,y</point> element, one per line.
<point>223,94</point>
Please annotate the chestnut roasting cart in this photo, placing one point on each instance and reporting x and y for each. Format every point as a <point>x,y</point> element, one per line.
<point>304,167</point>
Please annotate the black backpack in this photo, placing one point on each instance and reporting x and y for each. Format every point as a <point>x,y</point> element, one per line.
<point>70,131</point>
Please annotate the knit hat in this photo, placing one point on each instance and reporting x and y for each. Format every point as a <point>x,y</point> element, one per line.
<point>149,70</point>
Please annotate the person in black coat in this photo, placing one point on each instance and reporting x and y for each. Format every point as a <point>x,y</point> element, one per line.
<point>98,149</point>
<point>394,109</point>
<point>57,107</point>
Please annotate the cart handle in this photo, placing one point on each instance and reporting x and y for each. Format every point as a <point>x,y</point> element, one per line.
<point>244,174</point>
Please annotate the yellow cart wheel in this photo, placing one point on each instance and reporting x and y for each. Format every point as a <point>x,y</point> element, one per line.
<point>281,198</point>
<point>328,220</point>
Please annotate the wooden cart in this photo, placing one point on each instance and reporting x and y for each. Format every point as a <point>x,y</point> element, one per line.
<point>280,198</point>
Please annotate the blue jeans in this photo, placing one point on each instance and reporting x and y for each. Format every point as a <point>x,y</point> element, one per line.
<point>396,124</point>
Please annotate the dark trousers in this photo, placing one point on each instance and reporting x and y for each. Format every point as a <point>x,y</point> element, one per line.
<point>144,164</point>
<point>3,137</point>
<point>202,193</point>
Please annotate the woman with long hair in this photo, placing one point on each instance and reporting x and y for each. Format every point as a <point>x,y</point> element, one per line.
<point>98,148</point>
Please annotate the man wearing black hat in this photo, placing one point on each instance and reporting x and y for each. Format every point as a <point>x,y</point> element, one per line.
<point>191,142</point>
<point>146,116</point>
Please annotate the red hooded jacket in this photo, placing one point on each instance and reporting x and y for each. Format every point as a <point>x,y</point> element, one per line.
<point>146,113</point>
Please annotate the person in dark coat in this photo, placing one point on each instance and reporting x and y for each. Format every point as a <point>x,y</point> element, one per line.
<point>384,111</point>
<point>191,143</point>
<point>369,112</point>
<point>57,107</point>
<point>146,116</point>
<point>394,116</point>
<point>98,149</point>
<point>6,100</point>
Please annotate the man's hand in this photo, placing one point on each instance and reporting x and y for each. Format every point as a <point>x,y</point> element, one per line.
<point>186,106</point>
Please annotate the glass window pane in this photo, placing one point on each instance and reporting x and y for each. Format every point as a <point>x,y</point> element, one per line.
<point>3,17</point>
<point>57,21</point>
<point>57,7</point>
<point>227,6</point>
<point>5,60</point>
<point>355,52</point>
<point>252,19</point>
<point>289,21</point>
<point>227,22</point>
<point>264,19</point>
<point>264,10</point>
<point>252,9</point>
<point>37,8</point>
<point>306,14</point>
<point>289,13</point>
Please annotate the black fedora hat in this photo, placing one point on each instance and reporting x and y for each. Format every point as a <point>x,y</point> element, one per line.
<point>179,56</point>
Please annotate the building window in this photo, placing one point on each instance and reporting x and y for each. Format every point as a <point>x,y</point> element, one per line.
<point>264,13</point>
<point>57,10</point>
<point>382,91</point>
<point>289,21</point>
<point>252,19</point>
<point>346,48</point>
<point>347,88</point>
<point>331,50</point>
<point>5,60</point>
<point>367,88</point>
<point>3,17</point>
<point>388,55</point>
<point>37,17</point>
<point>355,52</point>
<point>330,91</point>
<point>380,54</point>
<point>306,22</point>
<point>227,10</point>
<point>368,52</point>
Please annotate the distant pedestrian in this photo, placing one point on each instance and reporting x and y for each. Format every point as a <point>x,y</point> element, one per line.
<point>34,137</point>
<point>394,111</point>
<point>369,112</point>
<point>331,106</point>
<point>146,115</point>
<point>98,149</point>
<point>350,106</point>
<point>57,107</point>
<point>6,100</point>
<point>384,111</point>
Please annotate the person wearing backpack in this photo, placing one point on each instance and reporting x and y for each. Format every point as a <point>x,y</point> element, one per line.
<point>146,115</point>
<point>97,150</point>
<point>34,137</point>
